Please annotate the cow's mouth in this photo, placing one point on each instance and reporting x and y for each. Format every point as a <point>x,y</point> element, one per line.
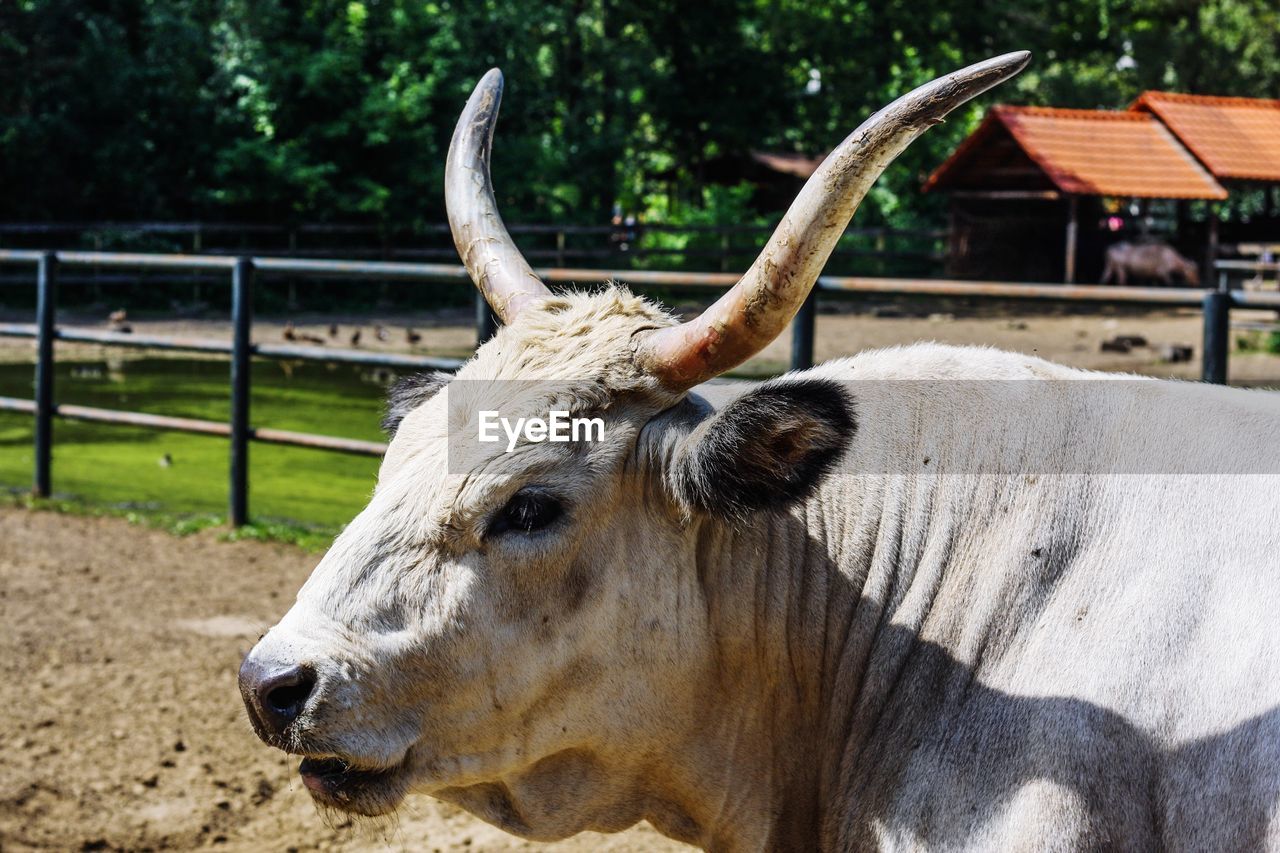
<point>337,784</point>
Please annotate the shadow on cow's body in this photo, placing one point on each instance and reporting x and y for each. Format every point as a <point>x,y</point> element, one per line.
<point>1082,776</point>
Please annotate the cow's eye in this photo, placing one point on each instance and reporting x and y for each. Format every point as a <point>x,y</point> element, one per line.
<point>528,511</point>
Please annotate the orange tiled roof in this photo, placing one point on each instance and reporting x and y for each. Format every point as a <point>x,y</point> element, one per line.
<point>1093,152</point>
<point>1233,137</point>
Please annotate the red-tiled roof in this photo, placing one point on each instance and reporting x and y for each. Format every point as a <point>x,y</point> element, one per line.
<point>1234,137</point>
<point>1089,152</point>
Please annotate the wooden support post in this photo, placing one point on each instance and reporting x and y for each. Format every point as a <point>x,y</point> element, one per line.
<point>802,332</point>
<point>293,282</point>
<point>97,270</point>
<point>1182,216</point>
<point>241,366</point>
<point>46,310</point>
<point>1217,336</point>
<point>1211,244</point>
<point>953,240</point>
<point>486,322</point>
<point>1073,228</point>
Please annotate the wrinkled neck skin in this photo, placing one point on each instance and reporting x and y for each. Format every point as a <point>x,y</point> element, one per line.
<point>781,612</point>
<point>790,637</point>
<point>823,638</point>
<point>798,605</point>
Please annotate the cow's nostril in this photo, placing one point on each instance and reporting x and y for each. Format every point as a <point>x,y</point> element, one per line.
<point>290,694</point>
<point>276,697</point>
<point>284,694</point>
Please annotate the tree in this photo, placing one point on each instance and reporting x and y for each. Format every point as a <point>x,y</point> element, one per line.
<point>265,110</point>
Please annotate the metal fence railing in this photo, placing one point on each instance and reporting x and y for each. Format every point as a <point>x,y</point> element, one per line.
<point>622,245</point>
<point>241,272</point>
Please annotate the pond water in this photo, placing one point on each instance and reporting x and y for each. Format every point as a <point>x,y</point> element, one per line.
<point>131,467</point>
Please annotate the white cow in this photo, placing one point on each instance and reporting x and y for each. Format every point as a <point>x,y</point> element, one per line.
<point>926,597</point>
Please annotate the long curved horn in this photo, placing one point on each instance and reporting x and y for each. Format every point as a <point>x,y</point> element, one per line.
<point>759,306</point>
<point>487,250</point>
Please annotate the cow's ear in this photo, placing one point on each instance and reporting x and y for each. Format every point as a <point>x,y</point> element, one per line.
<point>409,393</point>
<point>768,448</point>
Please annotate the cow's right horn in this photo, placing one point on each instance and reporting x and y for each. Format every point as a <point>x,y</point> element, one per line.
<point>490,255</point>
<point>755,311</point>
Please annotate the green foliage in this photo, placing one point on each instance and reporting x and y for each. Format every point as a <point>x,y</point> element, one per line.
<point>342,109</point>
<point>1259,341</point>
<point>719,205</point>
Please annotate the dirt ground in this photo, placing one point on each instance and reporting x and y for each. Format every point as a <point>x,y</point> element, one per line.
<point>1074,339</point>
<point>123,728</point>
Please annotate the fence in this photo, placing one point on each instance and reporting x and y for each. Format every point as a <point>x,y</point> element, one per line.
<point>241,272</point>
<point>624,245</point>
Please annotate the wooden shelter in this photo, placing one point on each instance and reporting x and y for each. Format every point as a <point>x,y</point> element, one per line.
<point>1238,141</point>
<point>1025,180</point>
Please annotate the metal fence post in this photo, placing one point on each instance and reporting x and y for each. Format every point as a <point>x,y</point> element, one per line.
<point>241,366</point>
<point>1217,334</point>
<point>46,312</point>
<point>802,328</point>
<point>486,323</point>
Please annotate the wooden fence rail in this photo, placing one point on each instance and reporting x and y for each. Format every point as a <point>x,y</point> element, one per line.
<point>242,271</point>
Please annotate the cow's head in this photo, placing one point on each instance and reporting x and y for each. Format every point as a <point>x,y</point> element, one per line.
<point>524,633</point>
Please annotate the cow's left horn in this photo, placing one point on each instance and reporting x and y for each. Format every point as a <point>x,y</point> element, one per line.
<point>759,306</point>
<point>491,257</point>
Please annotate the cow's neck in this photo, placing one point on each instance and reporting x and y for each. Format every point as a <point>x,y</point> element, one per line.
<point>798,602</point>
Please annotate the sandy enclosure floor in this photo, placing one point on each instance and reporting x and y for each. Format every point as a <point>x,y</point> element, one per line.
<point>123,729</point>
<point>1067,338</point>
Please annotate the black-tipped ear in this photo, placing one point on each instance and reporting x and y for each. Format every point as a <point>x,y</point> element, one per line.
<point>409,393</point>
<point>767,449</point>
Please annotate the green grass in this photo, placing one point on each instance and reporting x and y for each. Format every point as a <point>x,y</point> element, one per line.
<point>296,494</point>
<point>1259,341</point>
<point>309,537</point>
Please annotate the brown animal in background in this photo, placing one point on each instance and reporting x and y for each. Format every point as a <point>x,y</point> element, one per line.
<point>1150,261</point>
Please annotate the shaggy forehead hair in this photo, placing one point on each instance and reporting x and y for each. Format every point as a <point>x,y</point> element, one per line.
<point>572,352</point>
<point>574,336</point>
